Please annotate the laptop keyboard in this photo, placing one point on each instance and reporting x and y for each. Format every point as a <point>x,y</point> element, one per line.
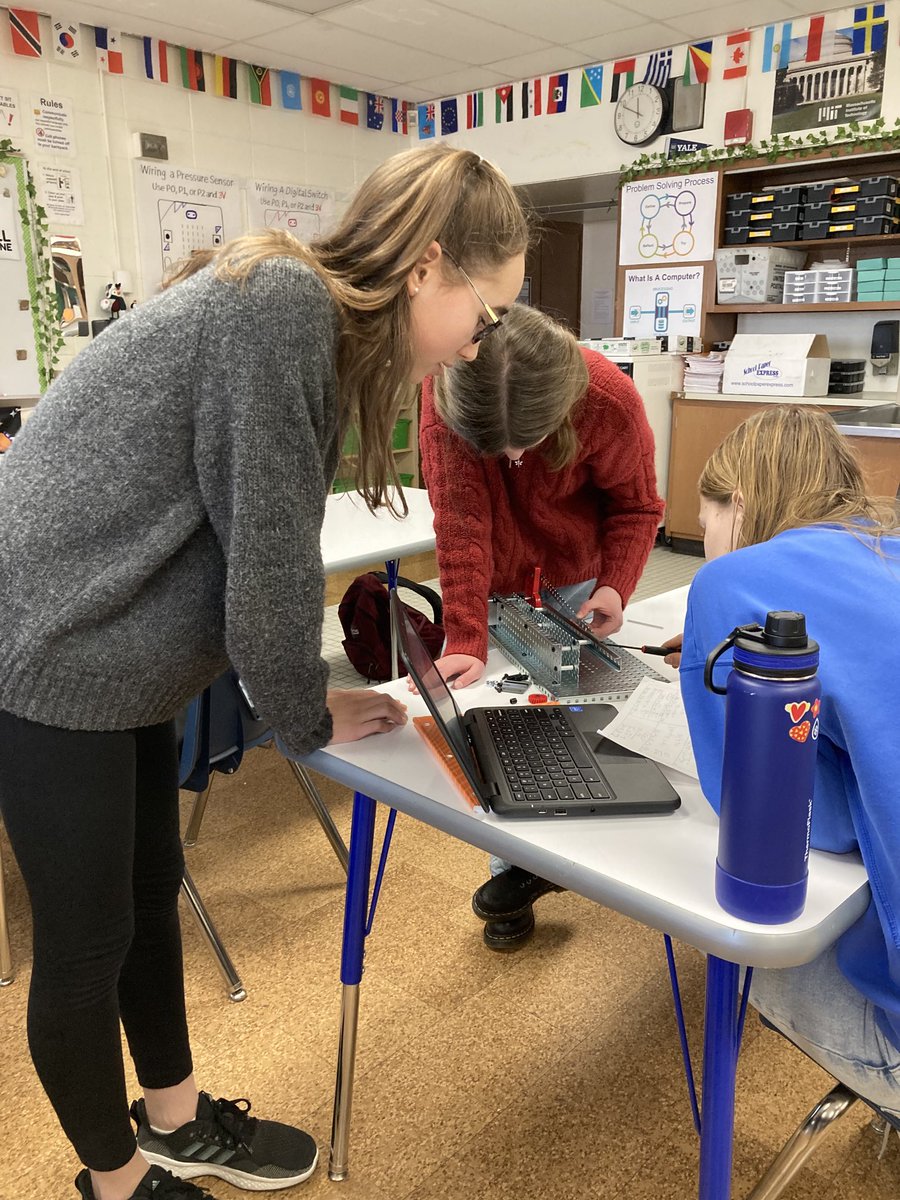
<point>542,758</point>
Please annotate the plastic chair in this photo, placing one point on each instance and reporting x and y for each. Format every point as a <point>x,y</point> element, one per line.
<point>6,967</point>
<point>806,1138</point>
<point>218,727</point>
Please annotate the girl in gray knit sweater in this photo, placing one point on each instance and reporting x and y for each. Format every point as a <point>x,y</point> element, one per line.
<point>161,519</point>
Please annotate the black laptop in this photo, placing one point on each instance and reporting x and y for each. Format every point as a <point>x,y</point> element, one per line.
<point>536,760</point>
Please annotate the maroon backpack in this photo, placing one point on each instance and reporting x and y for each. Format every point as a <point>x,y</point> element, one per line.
<point>365,617</point>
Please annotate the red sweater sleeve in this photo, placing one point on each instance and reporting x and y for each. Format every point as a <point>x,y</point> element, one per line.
<point>457,489</point>
<point>623,470</point>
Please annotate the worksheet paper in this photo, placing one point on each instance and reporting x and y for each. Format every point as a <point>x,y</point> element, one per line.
<point>652,722</point>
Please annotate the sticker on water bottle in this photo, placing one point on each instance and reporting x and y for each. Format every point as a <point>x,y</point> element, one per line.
<point>800,732</point>
<point>797,710</point>
<point>815,731</point>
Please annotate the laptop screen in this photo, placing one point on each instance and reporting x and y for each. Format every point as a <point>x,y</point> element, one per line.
<point>435,693</point>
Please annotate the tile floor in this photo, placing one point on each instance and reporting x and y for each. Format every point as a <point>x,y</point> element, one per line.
<point>550,1074</point>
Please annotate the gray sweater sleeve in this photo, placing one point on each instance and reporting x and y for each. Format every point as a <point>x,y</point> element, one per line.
<point>265,453</point>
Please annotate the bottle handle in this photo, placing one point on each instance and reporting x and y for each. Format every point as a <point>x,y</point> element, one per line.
<point>752,631</point>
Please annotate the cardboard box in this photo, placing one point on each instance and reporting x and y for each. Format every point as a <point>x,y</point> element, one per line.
<point>777,364</point>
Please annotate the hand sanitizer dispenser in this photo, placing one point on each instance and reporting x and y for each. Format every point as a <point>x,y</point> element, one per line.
<point>885,346</point>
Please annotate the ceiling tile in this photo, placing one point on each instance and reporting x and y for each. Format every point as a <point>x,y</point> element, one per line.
<point>652,36</point>
<point>730,17</point>
<point>308,6</point>
<point>542,62</point>
<point>563,23</point>
<point>349,52</point>
<point>290,62</point>
<point>424,25</point>
<point>454,83</point>
<point>222,20</point>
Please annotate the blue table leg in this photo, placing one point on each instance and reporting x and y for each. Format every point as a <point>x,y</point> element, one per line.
<point>362,833</point>
<point>721,1043</point>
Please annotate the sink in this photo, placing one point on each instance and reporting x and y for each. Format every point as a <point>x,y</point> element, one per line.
<point>878,416</point>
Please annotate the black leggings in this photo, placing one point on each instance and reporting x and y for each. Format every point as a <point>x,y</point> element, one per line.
<point>93,822</point>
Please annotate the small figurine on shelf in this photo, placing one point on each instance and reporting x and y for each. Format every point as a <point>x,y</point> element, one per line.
<point>113,302</point>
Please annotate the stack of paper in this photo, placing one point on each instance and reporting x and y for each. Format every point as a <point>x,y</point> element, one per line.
<point>703,372</point>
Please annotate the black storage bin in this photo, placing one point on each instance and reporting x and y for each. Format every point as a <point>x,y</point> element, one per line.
<point>738,236</point>
<point>814,229</point>
<point>877,206</point>
<point>879,185</point>
<point>817,192</point>
<point>788,212</point>
<point>738,203</point>
<point>785,231</point>
<point>866,226</point>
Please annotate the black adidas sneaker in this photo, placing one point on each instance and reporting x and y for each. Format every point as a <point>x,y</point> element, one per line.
<point>225,1141</point>
<point>157,1184</point>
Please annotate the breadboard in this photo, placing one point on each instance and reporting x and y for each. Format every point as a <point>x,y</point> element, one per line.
<point>437,744</point>
<point>562,664</point>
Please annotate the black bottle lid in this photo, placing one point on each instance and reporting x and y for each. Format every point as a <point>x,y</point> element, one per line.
<point>786,629</point>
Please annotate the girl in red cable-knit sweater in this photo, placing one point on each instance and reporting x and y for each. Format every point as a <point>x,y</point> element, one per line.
<point>538,452</point>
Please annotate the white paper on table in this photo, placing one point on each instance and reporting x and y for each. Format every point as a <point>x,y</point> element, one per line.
<point>652,722</point>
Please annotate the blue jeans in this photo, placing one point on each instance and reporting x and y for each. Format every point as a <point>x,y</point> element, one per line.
<point>828,1019</point>
<point>574,595</point>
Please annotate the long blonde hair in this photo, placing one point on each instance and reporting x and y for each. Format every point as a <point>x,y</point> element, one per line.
<point>791,468</point>
<point>420,196</point>
<point>521,389</point>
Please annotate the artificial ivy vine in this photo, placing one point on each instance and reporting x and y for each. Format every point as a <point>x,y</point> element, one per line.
<point>843,139</point>
<point>48,335</point>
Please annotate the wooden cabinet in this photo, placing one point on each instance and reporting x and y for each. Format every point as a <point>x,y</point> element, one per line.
<point>699,425</point>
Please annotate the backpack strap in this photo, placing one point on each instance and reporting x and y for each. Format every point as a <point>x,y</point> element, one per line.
<point>421,589</point>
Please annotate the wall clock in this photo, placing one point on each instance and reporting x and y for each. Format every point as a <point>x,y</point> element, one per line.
<point>641,113</point>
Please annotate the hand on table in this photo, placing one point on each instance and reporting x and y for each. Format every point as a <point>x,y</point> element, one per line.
<point>357,714</point>
<point>674,659</point>
<point>459,670</point>
<point>606,605</point>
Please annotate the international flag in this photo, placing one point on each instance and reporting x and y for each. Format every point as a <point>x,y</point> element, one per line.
<point>290,90</point>
<point>814,39</point>
<point>659,68</point>
<point>109,51</point>
<point>474,110</point>
<point>66,40</point>
<point>399,122</point>
<point>374,111</point>
<point>503,103</point>
<point>321,97</point>
<point>349,105</point>
<point>557,93</point>
<point>192,76</point>
<point>697,62</point>
<point>426,121</point>
<point>156,60</point>
<point>25,31</point>
<point>737,47</point>
<point>623,72</point>
<point>591,86</point>
<point>259,81</point>
<point>869,29</point>
<point>225,77</point>
<point>777,55</point>
<point>449,117</point>
<point>531,98</point>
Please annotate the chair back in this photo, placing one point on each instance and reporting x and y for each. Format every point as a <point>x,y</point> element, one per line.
<point>216,728</point>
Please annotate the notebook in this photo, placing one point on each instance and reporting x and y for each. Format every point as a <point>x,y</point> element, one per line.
<point>536,761</point>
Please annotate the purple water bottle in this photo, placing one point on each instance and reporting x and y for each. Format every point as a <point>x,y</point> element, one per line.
<point>768,768</point>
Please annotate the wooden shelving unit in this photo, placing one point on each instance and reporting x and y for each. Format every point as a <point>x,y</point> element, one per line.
<point>845,306</point>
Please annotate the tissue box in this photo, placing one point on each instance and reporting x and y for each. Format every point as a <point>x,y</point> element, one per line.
<point>772,364</point>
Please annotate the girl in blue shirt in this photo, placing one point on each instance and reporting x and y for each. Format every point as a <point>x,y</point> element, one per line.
<point>788,525</point>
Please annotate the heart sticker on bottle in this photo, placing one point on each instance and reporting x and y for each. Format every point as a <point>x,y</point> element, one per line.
<point>797,710</point>
<point>800,732</point>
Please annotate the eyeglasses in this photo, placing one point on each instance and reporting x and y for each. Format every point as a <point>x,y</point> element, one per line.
<point>495,321</point>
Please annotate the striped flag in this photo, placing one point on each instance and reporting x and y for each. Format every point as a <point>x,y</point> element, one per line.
<point>697,62</point>
<point>777,55</point>
<point>156,60</point>
<point>109,51</point>
<point>869,29</point>
<point>591,86</point>
<point>426,121</point>
<point>814,39</point>
<point>66,39</point>
<point>374,111</point>
<point>623,77</point>
<point>737,46</point>
<point>225,77</point>
<point>25,31</point>
<point>659,68</point>
<point>399,122</point>
<point>503,103</point>
<point>259,80</point>
<point>531,98</point>
<point>192,76</point>
<point>349,105</point>
<point>449,117</point>
<point>290,90</point>
<point>557,93</point>
<point>474,110</point>
<point>321,97</point>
